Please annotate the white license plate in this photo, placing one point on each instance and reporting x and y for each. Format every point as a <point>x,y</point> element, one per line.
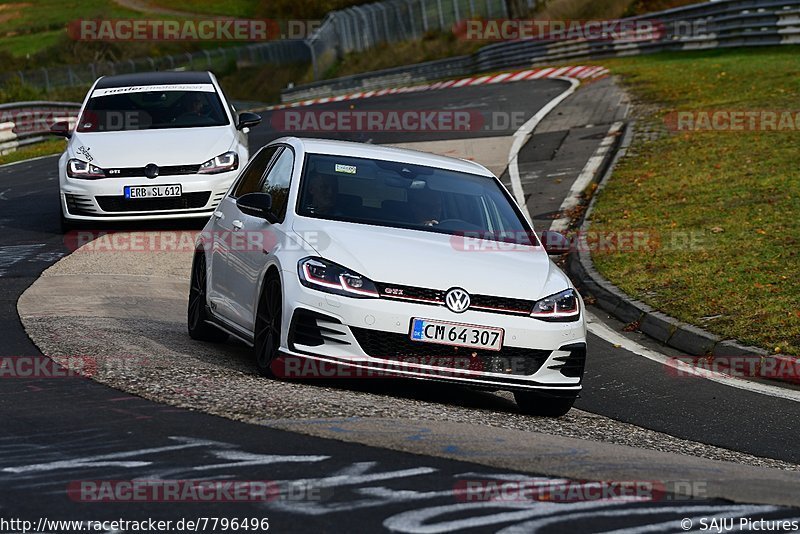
<point>456,334</point>
<point>152,191</point>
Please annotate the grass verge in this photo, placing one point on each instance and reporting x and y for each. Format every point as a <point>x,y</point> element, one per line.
<point>45,148</point>
<point>722,207</point>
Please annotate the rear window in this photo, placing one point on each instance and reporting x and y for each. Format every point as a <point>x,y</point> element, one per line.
<point>152,107</point>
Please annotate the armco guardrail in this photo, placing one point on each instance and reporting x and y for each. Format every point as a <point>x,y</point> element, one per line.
<point>717,24</point>
<point>24,123</point>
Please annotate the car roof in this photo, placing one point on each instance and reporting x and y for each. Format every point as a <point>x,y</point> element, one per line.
<point>404,155</point>
<point>152,78</point>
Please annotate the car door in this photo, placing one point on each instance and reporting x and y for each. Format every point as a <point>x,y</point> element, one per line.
<point>260,239</point>
<point>221,237</point>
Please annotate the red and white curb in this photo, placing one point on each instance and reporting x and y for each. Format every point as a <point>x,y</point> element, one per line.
<point>578,73</point>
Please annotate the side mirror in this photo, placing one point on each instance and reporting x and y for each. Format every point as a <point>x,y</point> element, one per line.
<point>247,120</point>
<point>555,243</point>
<point>61,129</point>
<point>257,205</point>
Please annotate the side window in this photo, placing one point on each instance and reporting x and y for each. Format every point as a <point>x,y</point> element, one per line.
<point>251,176</point>
<point>277,183</point>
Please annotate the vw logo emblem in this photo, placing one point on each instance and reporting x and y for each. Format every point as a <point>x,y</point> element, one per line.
<point>457,300</point>
<point>151,170</point>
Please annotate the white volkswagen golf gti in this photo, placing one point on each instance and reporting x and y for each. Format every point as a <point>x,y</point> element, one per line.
<point>392,261</point>
<point>159,145</point>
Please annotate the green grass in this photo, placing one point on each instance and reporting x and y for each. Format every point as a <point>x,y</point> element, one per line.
<point>738,193</point>
<point>55,146</point>
<point>30,27</point>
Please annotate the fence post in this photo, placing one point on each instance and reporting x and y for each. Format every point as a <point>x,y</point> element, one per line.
<point>314,66</point>
<point>410,4</point>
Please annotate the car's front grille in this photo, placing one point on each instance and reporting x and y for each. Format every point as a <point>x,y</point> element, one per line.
<point>168,170</point>
<point>399,348</point>
<point>435,297</point>
<point>185,201</point>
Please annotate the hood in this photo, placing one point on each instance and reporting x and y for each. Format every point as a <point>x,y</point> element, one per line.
<point>436,261</point>
<point>137,148</point>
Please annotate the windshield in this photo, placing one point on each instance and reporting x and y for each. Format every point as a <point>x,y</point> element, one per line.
<point>150,108</point>
<point>400,195</point>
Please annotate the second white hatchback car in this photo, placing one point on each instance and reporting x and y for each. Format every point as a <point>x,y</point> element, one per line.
<point>387,260</point>
<point>159,145</point>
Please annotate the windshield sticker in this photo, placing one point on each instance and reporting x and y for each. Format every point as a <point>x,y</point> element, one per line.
<point>205,87</point>
<point>349,169</point>
<point>84,151</point>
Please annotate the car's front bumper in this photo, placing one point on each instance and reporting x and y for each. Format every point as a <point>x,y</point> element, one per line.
<point>103,199</point>
<point>373,335</point>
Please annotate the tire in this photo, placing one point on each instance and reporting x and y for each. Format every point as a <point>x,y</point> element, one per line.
<point>66,224</point>
<point>267,339</point>
<point>542,405</point>
<point>197,313</point>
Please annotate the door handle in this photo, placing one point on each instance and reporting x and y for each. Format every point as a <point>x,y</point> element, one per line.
<point>219,215</point>
<point>237,225</point>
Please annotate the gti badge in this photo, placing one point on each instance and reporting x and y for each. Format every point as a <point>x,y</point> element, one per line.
<point>457,300</point>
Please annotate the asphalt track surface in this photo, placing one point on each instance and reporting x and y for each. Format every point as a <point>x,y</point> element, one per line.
<point>56,432</point>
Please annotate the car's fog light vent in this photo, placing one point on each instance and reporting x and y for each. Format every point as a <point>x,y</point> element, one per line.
<point>571,360</point>
<point>79,205</point>
<point>308,328</point>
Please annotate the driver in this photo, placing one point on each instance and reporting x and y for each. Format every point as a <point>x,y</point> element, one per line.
<point>194,105</point>
<point>426,206</point>
<point>322,189</point>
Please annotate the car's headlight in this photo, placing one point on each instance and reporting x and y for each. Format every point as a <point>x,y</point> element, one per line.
<point>558,308</point>
<point>327,276</point>
<point>229,161</point>
<point>77,168</point>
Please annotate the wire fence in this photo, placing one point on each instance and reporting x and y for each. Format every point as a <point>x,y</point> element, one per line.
<point>361,28</point>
